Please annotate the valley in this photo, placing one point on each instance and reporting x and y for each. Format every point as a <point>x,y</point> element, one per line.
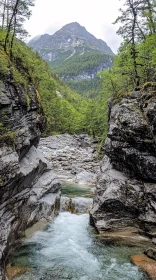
<point>76,56</point>
<point>77,147</point>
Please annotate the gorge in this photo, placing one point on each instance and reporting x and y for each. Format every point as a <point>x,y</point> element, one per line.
<point>78,177</point>
<point>124,203</point>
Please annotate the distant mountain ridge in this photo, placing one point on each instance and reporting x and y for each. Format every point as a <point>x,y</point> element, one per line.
<point>72,34</point>
<point>73,53</point>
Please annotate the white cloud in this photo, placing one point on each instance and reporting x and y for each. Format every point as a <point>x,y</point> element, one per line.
<point>96,15</point>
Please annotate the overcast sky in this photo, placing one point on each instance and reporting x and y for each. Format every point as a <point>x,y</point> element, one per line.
<point>95,15</point>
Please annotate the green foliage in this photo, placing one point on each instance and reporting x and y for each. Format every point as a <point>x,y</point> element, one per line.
<point>87,88</point>
<point>65,110</point>
<point>120,78</point>
<point>28,100</point>
<point>80,63</point>
<point>8,137</point>
<point>85,61</point>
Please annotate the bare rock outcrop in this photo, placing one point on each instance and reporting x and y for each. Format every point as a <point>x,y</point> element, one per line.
<point>126,189</point>
<point>28,190</point>
<point>73,157</point>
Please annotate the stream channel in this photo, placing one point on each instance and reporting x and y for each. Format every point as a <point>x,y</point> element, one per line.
<point>69,248</point>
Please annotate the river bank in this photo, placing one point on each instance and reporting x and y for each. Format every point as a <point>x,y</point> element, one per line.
<point>69,248</point>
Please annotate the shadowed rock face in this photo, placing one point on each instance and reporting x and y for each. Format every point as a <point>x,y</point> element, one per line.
<point>126,188</point>
<point>28,190</point>
<point>131,142</point>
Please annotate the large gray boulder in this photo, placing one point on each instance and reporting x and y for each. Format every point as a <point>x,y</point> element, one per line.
<point>118,200</point>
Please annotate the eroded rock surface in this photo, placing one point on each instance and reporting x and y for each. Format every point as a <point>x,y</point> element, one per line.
<point>131,142</point>
<point>77,205</point>
<point>74,158</point>
<point>29,191</point>
<point>146,264</point>
<point>126,188</point>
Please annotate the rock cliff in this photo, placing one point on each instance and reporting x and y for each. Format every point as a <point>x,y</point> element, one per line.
<point>126,189</point>
<point>28,190</point>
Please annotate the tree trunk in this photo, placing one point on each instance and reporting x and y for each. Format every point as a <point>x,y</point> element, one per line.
<point>10,24</point>
<point>3,17</point>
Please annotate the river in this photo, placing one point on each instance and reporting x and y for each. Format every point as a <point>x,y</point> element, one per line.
<point>69,248</point>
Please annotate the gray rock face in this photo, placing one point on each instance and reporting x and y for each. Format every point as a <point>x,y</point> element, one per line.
<point>29,192</point>
<point>73,158</point>
<point>126,188</point>
<point>131,136</point>
<point>70,35</point>
<point>118,200</point>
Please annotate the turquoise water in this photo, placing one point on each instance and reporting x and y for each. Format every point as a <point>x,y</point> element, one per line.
<point>76,190</point>
<point>68,248</point>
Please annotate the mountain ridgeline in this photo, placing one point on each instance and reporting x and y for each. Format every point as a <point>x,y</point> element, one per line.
<point>76,56</point>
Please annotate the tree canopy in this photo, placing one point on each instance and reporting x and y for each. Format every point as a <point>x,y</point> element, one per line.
<point>13,14</point>
<point>135,63</point>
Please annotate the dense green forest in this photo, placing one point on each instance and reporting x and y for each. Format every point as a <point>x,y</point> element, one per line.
<point>83,63</point>
<point>87,88</point>
<point>67,111</point>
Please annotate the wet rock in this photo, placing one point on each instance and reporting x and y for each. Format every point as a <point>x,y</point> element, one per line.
<point>154,241</point>
<point>129,236</point>
<point>151,253</point>
<point>15,271</point>
<point>122,202</point>
<point>146,264</point>
<point>77,205</point>
<point>28,276</point>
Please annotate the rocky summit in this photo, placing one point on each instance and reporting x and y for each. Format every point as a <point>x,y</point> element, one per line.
<point>126,189</point>
<point>72,35</point>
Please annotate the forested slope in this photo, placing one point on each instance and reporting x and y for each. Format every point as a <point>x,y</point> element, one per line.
<point>65,110</point>
<point>76,56</point>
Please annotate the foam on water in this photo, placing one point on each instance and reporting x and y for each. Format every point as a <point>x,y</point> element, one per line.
<point>68,249</point>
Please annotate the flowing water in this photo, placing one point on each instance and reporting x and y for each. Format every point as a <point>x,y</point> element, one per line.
<point>68,248</point>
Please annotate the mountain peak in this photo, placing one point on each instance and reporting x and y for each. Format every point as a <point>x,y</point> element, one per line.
<point>69,36</point>
<point>75,55</point>
<point>73,27</point>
